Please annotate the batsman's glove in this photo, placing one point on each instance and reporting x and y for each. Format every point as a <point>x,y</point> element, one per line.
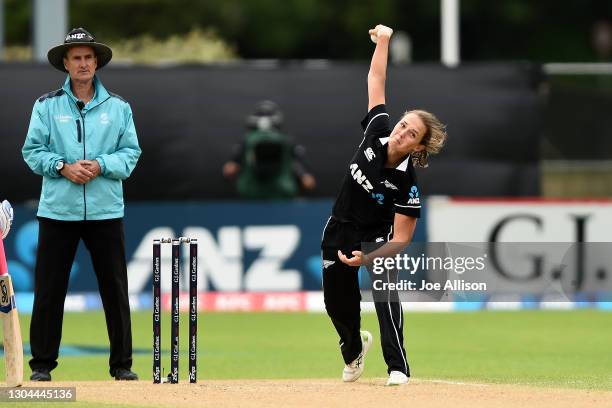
<point>6,218</point>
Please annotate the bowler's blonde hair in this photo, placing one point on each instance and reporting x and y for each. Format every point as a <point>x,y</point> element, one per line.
<point>433,139</point>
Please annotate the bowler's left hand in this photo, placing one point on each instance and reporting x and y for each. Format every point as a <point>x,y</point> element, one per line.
<point>357,259</point>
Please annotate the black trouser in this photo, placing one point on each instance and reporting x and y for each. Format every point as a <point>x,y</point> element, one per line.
<point>57,245</point>
<point>342,296</point>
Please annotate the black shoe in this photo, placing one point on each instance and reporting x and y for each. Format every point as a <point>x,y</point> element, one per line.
<point>125,374</point>
<point>40,374</point>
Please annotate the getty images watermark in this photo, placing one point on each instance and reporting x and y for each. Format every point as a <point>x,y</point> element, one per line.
<point>411,265</point>
<point>447,271</point>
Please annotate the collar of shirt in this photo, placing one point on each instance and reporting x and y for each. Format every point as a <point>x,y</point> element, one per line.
<point>403,166</point>
<point>100,93</point>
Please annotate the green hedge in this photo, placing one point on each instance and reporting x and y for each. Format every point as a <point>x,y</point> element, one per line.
<point>542,30</point>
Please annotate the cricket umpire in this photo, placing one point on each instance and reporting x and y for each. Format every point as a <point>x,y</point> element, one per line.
<point>83,143</point>
<point>378,202</point>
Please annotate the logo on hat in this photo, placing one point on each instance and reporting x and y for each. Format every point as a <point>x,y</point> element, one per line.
<point>76,37</point>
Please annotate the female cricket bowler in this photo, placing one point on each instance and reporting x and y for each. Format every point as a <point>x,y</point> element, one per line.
<point>378,202</point>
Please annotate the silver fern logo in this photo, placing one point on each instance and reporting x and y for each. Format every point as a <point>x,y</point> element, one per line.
<point>390,185</point>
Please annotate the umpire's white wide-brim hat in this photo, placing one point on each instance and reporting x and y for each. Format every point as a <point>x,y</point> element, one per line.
<point>76,37</point>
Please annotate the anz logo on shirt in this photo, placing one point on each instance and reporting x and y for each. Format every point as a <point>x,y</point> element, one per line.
<point>363,181</point>
<point>360,178</point>
<point>414,196</point>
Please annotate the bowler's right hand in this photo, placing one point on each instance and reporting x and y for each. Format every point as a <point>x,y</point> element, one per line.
<point>381,31</point>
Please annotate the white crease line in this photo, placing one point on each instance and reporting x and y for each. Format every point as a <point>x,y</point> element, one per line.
<point>455,383</point>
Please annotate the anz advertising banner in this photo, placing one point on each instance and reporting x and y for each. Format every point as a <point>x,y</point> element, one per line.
<point>242,246</point>
<point>266,255</point>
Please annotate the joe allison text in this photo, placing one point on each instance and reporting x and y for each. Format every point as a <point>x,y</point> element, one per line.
<point>452,285</point>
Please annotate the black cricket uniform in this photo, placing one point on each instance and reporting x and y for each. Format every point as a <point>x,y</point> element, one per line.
<point>364,210</point>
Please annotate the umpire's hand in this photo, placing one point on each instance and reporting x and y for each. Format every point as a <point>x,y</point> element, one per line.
<point>78,173</point>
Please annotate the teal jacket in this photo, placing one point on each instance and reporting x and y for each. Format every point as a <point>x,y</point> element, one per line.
<point>103,130</point>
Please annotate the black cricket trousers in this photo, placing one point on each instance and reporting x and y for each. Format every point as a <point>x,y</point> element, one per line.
<point>342,295</point>
<point>57,245</point>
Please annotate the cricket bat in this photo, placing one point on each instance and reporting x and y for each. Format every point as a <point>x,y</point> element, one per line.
<point>13,346</point>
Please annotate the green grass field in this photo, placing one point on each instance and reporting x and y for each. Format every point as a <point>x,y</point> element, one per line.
<point>542,348</point>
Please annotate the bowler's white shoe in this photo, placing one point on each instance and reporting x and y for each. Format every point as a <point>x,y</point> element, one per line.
<point>354,370</point>
<point>397,378</point>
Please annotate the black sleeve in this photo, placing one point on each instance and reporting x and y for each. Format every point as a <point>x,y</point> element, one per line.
<point>376,122</point>
<point>408,201</point>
